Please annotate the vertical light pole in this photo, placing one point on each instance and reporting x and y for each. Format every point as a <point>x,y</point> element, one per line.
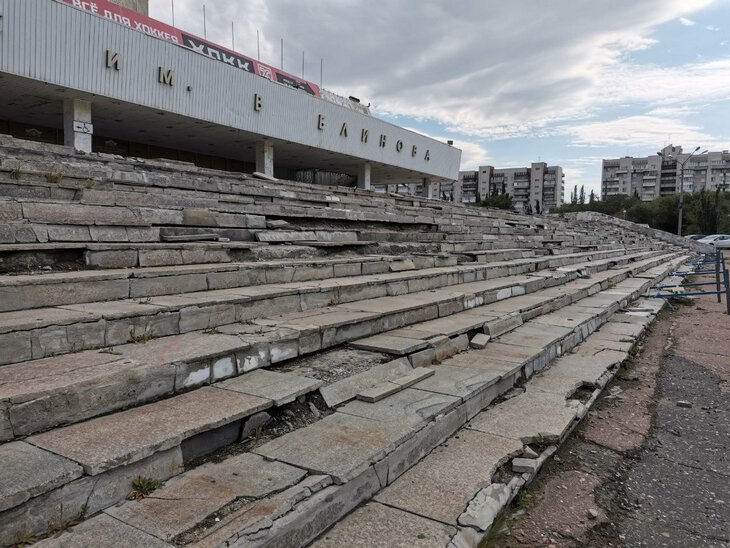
<point>681,186</point>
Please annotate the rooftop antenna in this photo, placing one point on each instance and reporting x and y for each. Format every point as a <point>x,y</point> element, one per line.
<point>321,70</point>
<point>258,46</point>
<point>205,26</point>
<point>172,7</point>
<point>233,38</point>
<point>302,64</point>
<point>282,54</point>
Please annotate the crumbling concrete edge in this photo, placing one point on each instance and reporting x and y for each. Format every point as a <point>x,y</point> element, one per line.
<point>497,497</point>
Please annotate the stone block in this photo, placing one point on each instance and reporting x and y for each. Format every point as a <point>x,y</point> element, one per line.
<point>159,257</point>
<point>68,233</point>
<point>122,258</point>
<point>28,471</point>
<point>479,341</point>
<point>281,388</point>
<point>167,285</point>
<point>15,347</point>
<point>389,344</point>
<point>378,392</point>
<point>108,234</point>
<point>108,442</point>
<point>196,318</point>
<point>141,327</point>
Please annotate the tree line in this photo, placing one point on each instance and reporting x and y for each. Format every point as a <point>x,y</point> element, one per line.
<point>705,212</point>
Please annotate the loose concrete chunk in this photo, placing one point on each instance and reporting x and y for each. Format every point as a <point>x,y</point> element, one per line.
<point>282,388</point>
<point>531,416</point>
<point>441,485</point>
<point>486,505</point>
<point>346,389</point>
<point>523,465</point>
<point>122,438</point>
<point>379,525</point>
<point>340,445</point>
<point>188,499</point>
<point>479,341</point>
<point>27,471</point>
<point>398,346</point>
<point>379,392</point>
<point>103,530</point>
<point>418,374</point>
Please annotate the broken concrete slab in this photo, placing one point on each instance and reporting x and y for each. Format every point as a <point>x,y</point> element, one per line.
<point>409,408</point>
<point>346,389</point>
<point>378,392</point>
<point>479,341</point>
<point>342,445</point>
<point>398,346</point>
<point>103,530</point>
<point>28,471</point>
<point>281,388</point>
<point>378,525</point>
<point>114,440</point>
<point>458,381</point>
<point>531,416</point>
<point>443,483</point>
<point>486,505</point>
<point>188,499</point>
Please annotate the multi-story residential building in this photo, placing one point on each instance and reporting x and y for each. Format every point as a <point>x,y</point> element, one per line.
<point>660,174</point>
<point>535,188</point>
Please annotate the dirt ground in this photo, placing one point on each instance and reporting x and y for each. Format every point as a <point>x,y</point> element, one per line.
<point>649,466</point>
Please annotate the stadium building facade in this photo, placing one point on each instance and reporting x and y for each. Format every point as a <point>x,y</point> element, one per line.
<point>101,77</point>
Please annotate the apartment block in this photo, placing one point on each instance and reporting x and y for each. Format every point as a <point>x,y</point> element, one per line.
<point>538,187</point>
<point>660,174</point>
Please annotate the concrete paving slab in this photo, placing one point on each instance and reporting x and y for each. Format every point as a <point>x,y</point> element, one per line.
<point>103,530</point>
<point>129,436</point>
<point>535,336</point>
<point>418,374</point>
<point>186,500</point>
<point>408,407</point>
<point>481,360</point>
<point>378,525</point>
<point>511,353</point>
<point>341,445</point>
<point>24,320</point>
<point>461,382</point>
<point>529,417</point>
<point>390,344</point>
<point>28,471</point>
<point>379,392</point>
<point>565,317</point>
<point>281,388</point>
<point>346,389</point>
<point>441,485</point>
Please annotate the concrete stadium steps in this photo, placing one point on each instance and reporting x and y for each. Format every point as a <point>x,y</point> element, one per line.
<point>384,450</point>
<point>43,393</point>
<point>42,332</point>
<point>152,438</point>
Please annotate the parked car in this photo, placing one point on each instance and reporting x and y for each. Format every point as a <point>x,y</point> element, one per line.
<point>717,240</point>
<point>696,236</point>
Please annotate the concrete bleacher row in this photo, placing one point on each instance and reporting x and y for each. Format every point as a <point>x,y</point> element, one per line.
<point>131,347</point>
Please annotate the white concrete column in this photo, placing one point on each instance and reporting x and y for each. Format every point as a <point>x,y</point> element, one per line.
<point>265,157</point>
<point>77,127</point>
<point>458,191</point>
<point>363,176</point>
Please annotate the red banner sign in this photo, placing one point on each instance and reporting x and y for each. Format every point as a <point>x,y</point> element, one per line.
<point>158,29</point>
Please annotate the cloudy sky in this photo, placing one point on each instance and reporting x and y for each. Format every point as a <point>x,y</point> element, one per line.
<point>568,82</point>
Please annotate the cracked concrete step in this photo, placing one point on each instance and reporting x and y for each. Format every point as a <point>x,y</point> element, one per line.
<point>397,416</point>
<point>43,332</point>
<point>457,509</point>
<point>41,290</point>
<point>67,388</point>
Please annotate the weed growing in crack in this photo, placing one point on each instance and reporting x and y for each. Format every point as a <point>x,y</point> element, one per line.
<point>142,487</point>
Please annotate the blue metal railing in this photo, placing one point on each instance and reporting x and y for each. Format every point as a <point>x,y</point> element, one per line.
<point>697,266</point>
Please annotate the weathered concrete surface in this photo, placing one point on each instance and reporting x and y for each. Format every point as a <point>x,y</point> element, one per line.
<point>346,389</point>
<point>103,530</point>
<point>281,388</point>
<point>398,346</point>
<point>107,442</point>
<point>27,471</point>
<point>341,445</point>
<point>378,525</point>
<point>531,416</point>
<point>188,499</point>
<point>442,484</point>
<point>408,408</point>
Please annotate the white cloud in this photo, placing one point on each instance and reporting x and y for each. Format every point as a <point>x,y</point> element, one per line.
<point>489,70</point>
<point>686,22</point>
<point>713,28</point>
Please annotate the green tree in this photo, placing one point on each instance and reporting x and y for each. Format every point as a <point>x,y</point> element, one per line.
<point>500,201</point>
